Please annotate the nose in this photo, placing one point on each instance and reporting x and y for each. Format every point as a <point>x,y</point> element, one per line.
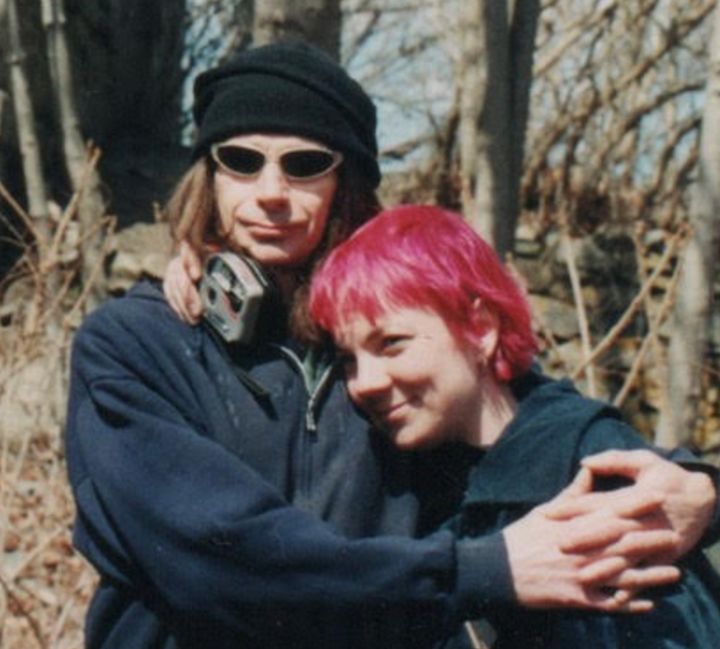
<point>272,187</point>
<point>368,380</point>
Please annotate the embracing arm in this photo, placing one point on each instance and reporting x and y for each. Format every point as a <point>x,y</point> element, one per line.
<point>178,519</point>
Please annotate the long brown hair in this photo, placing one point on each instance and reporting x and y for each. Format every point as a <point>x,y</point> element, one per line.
<point>193,217</point>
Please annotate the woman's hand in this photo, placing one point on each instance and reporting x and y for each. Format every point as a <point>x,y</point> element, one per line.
<point>180,284</point>
<point>568,554</point>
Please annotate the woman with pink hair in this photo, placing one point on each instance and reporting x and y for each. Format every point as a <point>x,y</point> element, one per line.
<point>438,352</point>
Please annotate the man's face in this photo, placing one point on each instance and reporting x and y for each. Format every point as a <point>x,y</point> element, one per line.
<point>275,218</point>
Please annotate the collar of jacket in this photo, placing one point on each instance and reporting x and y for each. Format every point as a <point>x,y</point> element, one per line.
<point>536,456</point>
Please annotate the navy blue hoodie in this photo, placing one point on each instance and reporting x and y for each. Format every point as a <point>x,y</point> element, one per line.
<point>201,481</point>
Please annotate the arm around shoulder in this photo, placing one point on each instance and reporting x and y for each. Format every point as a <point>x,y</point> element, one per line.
<point>176,516</point>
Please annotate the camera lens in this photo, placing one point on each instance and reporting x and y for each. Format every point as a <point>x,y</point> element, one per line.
<point>235,302</point>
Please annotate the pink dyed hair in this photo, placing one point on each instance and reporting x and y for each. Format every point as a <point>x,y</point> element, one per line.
<point>420,256</point>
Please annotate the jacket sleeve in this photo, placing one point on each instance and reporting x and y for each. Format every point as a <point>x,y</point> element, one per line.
<point>174,516</point>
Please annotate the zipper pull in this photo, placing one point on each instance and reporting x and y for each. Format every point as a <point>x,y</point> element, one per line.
<point>310,423</point>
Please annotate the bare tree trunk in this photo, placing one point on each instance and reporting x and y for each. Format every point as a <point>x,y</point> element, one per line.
<point>36,191</point>
<point>473,85</point>
<point>691,315</point>
<point>523,31</point>
<point>46,278</point>
<point>313,21</point>
<point>91,207</point>
<point>496,72</point>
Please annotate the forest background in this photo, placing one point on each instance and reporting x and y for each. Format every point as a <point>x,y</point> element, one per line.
<point>582,137</point>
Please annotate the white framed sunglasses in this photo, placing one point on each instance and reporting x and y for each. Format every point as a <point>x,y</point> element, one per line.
<point>301,164</point>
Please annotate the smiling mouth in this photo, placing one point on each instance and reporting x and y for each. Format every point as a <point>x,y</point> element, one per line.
<point>269,231</point>
<point>389,414</point>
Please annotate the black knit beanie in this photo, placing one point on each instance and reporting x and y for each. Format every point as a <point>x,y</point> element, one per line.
<point>287,88</point>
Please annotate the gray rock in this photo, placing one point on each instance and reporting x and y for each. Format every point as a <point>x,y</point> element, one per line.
<point>559,317</point>
<point>141,250</point>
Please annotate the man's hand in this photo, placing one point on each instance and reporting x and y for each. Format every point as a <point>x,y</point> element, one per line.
<point>179,285</point>
<point>559,558</point>
<point>688,497</point>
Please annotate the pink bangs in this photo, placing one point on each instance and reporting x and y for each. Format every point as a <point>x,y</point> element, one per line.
<point>417,256</point>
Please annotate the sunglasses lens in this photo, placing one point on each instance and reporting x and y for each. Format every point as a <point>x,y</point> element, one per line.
<point>307,164</point>
<point>239,159</point>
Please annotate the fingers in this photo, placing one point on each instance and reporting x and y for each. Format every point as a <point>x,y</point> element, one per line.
<point>191,261</point>
<point>628,502</point>
<point>624,463</point>
<point>606,576</point>
<point>617,572</point>
<point>191,300</point>
<point>641,544</point>
<point>578,499</point>
<point>592,533</point>
<point>618,600</point>
<point>646,544</point>
<point>181,293</point>
<point>637,606</point>
<point>575,500</point>
<point>582,484</point>
<point>618,565</point>
<point>632,502</point>
<point>603,528</point>
<point>570,505</point>
<point>611,604</point>
<point>647,577</point>
<point>602,572</point>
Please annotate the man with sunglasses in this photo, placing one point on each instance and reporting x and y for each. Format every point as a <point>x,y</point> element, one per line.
<point>229,494</point>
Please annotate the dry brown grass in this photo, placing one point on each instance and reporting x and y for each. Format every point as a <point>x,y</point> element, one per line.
<point>44,584</point>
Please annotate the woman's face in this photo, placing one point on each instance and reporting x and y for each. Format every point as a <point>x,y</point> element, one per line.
<point>276,219</point>
<point>410,375</point>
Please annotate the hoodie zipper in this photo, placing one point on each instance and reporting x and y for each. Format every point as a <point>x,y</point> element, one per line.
<point>305,470</point>
<point>314,391</point>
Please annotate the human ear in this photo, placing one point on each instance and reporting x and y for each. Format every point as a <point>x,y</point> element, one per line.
<point>486,327</point>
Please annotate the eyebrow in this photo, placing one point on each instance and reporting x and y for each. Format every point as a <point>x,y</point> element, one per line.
<point>375,334</point>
